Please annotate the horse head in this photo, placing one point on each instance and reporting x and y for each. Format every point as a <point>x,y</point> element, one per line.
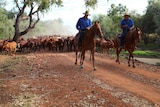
<point>136,33</point>
<point>97,29</point>
<point>139,33</point>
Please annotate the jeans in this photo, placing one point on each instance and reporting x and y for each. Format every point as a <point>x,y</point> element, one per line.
<point>123,37</point>
<point>81,36</point>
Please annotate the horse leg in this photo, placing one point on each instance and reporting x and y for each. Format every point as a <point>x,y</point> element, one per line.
<point>117,60</point>
<point>82,58</point>
<point>132,60</point>
<point>90,56</point>
<point>76,58</point>
<point>94,68</point>
<point>118,52</point>
<point>131,56</point>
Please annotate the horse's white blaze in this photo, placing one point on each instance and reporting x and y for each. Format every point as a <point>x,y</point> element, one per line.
<point>139,35</point>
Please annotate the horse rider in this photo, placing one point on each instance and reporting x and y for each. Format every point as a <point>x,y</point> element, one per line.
<point>126,25</point>
<point>83,24</point>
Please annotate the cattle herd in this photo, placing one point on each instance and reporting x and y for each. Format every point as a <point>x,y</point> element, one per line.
<point>48,43</point>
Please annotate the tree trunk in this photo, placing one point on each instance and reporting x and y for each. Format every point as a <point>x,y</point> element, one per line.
<point>16,36</point>
<point>16,29</point>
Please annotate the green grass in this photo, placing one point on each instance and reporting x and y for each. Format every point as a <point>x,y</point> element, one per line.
<point>149,50</point>
<point>141,53</point>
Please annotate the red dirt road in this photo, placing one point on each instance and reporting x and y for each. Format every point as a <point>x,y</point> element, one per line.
<point>52,80</point>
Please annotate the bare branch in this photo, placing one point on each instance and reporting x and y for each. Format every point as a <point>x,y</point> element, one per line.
<point>31,23</point>
<point>35,21</point>
<point>17,5</point>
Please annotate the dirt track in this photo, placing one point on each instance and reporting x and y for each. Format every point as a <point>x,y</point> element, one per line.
<point>52,80</point>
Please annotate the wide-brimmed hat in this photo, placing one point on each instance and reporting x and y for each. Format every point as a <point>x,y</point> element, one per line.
<point>86,12</point>
<point>126,14</point>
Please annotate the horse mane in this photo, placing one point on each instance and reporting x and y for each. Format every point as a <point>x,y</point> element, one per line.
<point>96,28</point>
<point>132,35</point>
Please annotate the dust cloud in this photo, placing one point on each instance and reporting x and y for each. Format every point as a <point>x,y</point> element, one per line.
<point>50,28</point>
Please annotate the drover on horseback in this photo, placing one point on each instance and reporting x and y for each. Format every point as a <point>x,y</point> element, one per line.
<point>126,25</point>
<point>88,43</point>
<point>86,40</point>
<point>83,24</point>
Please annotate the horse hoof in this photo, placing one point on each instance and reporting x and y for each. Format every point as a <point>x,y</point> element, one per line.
<point>134,66</point>
<point>81,66</point>
<point>75,63</point>
<point>94,68</point>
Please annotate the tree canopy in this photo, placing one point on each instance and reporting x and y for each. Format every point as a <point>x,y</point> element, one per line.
<point>151,20</point>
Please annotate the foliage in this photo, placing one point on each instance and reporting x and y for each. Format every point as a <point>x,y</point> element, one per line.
<point>91,3</point>
<point>149,46</point>
<point>110,22</point>
<point>2,3</point>
<point>116,13</point>
<point>106,24</point>
<point>151,18</point>
<point>6,27</point>
<point>117,10</point>
<point>137,19</point>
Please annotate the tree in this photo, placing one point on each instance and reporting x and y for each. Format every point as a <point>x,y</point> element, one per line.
<point>110,22</point>
<point>29,10</point>
<point>137,18</point>
<point>91,3</point>
<point>106,24</point>
<point>2,3</point>
<point>150,22</point>
<point>5,24</point>
<point>116,13</point>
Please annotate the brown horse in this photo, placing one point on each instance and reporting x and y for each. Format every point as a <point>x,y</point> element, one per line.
<point>88,43</point>
<point>131,39</point>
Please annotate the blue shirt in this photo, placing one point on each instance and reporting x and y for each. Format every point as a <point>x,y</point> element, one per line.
<point>83,23</point>
<point>128,22</point>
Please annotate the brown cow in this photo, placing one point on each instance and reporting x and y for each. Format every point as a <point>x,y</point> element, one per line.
<point>10,47</point>
<point>69,43</point>
<point>106,45</point>
<point>22,44</point>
